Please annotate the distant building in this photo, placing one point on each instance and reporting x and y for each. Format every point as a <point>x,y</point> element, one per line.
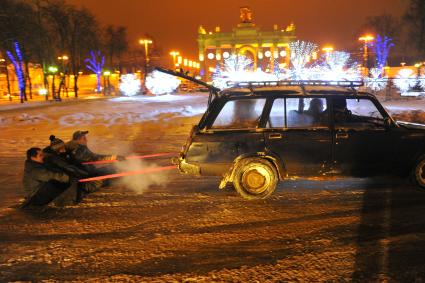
<point>264,48</point>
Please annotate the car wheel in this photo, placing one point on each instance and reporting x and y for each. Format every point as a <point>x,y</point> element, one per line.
<point>255,178</point>
<point>419,173</point>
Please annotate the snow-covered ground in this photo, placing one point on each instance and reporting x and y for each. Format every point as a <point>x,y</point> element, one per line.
<point>411,109</point>
<point>183,229</point>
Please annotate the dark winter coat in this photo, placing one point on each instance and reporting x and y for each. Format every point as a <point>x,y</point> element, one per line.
<point>36,175</point>
<point>81,153</point>
<point>55,160</point>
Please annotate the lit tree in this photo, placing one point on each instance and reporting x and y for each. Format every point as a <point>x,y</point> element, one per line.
<point>382,49</point>
<point>160,83</point>
<point>376,81</point>
<point>301,51</point>
<point>405,80</point>
<point>237,63</point>
<point>17,62</point>
<point>337,66</point>
<point>95,64</point>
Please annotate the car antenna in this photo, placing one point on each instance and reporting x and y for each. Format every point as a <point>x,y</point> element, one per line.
<point>213,90</point>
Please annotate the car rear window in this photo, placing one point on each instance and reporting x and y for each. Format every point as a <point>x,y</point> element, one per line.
<point>240,114</point>
<point>300,113</point>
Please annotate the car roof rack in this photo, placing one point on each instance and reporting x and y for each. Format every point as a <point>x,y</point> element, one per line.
<point>212,89</point>
<point>251,85</point>
<point>301,83</point>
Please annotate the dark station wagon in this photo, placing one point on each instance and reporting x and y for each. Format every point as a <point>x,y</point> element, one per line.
<point>256,134</point>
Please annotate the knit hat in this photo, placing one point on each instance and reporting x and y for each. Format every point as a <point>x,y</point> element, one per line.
<point>56,143</point>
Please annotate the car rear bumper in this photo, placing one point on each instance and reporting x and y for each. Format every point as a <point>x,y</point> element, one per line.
<point>186,168</point>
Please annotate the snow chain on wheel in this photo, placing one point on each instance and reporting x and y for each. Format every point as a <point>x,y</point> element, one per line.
<point>255,178</point>
<point>419,173</point>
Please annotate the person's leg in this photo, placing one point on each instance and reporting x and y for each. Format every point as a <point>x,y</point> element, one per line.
<point>46,194</point>
<point>91,187</point>
<point>70,194</point>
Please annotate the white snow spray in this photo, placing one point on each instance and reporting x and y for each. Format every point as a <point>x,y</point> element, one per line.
<point>142,182</point>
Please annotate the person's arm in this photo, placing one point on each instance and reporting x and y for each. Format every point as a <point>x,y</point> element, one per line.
<point>98,157</point>
<point>84,154</point>
<point>45,175</point>
<point>68,168</point>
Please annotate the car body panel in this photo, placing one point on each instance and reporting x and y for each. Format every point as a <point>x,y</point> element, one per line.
<point>303,151</point>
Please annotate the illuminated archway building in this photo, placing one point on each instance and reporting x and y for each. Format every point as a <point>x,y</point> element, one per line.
<point>264,48</point>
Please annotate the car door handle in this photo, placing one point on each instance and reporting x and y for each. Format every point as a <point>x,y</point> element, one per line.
<point>275,136</point>
<point>342,136</point>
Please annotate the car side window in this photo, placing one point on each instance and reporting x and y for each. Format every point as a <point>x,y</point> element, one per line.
<point>240,114</point>
<point>357,113</point>
<point>306,112</point>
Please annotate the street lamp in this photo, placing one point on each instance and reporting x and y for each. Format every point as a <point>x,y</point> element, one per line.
<point>64,58</point>
<point>174,54</point>
<point>418,67</point>
<point>106,82</point>
<point>327,49</point>
<point>146,42</point>
<point>53,70</point>
<point>366,39</point>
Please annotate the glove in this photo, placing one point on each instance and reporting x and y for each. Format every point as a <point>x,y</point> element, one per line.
<point>121,158</point>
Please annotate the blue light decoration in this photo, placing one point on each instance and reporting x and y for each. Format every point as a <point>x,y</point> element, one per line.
<point>382,49</point>
<point>19,70</point>
<point>95,64</point>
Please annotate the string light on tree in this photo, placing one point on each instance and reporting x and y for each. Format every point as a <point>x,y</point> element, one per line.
<point>382,48</point>
<point>19,70</point>
<point>95,64</point>
<point>377,81</point>
<point>238,68</point>
<point>129,85</point>
<point>159,83</point>
<point>301,51</point>
<point>337,66</point>
<point>405,80</point>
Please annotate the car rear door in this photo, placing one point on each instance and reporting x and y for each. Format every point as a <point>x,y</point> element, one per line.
<point>363,144</point>
<point>300,136</point>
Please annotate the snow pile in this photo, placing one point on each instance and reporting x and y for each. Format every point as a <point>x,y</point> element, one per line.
<point>29,119</point>
<point>415,116</point>
<point>76,119</point>
<point>161,98</point>
<point>129,118</point>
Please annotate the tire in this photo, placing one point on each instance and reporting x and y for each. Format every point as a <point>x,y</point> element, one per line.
<point>418,174</point>
<point>255,178</point>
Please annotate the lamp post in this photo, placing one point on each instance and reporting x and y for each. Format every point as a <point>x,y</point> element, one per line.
<point>106,82</point>
<point>366,39</point>
<point>53,70</point>
<point>63,58</point>
<point>174,54</point>
<point>146,42</point>
<point>327,50</point>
